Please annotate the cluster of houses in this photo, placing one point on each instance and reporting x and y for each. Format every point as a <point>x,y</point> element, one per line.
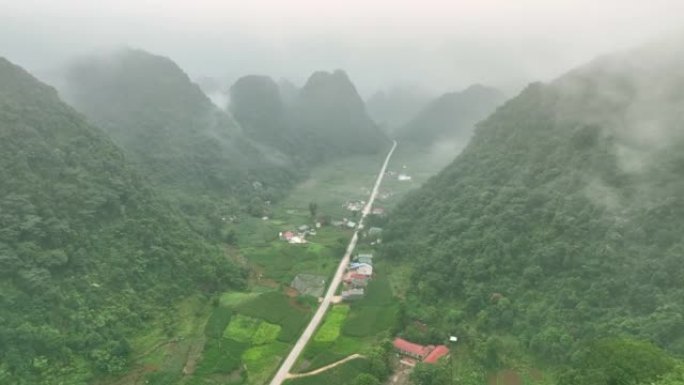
<point>355,280</point>
<point>402,177</point>
<point>344,223</point>
<point>356,205</point>
<point>297,236</point>
<point>413,352</point>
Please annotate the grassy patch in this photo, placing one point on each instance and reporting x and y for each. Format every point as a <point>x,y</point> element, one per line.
<point>221,356</point>
<point>234,298</point>
<point>217,322</point>
<point>339,375</point>
<point>266,333</point>
<point>282,261</point>
<point>375,313</point>
<point>241,328</point>
<point>277,308</point>
<point>262,361</point>
<point>368,321</point>
<point>330,329</point>
<point>319,354</point>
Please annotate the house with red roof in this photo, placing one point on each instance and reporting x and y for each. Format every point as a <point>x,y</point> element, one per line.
<point>429,354</point>
<point>410,349</point>
<point>438,352</point>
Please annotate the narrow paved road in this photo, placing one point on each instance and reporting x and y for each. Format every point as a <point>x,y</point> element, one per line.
<point>286,366</point>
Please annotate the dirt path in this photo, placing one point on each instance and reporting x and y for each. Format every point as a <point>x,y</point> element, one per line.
<point>299,346</point>
<point>323,369</point>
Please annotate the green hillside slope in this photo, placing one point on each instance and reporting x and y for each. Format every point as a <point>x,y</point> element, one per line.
<point>562,220</point>
<point>88,252</point>
<point>452,116</point>
<point>181,141</point>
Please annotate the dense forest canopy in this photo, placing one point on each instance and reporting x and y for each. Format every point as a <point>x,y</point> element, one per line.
<point>88,251</point>
<point>181,140</point>
<point>452,116</point>
<point>562,220</point>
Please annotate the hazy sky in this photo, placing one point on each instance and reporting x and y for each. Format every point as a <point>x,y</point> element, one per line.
<point>441,45</point>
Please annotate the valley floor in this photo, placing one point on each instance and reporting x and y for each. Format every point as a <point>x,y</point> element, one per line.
<point>240,338</point>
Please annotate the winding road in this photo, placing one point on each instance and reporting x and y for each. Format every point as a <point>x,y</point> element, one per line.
<point>287,364</point>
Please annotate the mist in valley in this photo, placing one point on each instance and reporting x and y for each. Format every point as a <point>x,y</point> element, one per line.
<point>360,192</point>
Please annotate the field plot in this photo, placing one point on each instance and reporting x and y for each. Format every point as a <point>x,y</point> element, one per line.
<point>354,328</point>
<point>277,308</point>
<point>330,330</point>
<point>340,375</point>
<point>332,184</point>
<point>248,334</point>
<point>376,313</point>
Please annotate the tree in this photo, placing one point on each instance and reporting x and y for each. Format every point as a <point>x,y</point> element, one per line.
<point>620,362</point>
<point>365,379</point>
<point>313,209</point>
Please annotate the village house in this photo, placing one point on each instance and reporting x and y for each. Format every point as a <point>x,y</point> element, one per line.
<point>361,268</point>
<point>356,280</point>
<point>374,232</point>
<point>355,205</point>
<point>352,294</point>
<point>309,284</point>
<point>429,354</point>
<point>364,258</point>
<point>286,235</point>
<point>410,349</point>
<point>438,352</point>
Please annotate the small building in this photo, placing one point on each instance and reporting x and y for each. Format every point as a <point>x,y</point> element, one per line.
<point>286,235</point>
<point>429,354</point>
<point>356,280</point>
<point>361,268</point>
<point>309,284</point>
<point>351,224</point>
<point>297,240</point>
<point>404,178</point>
<point>352,294</point>
<point>375,232</point>
<point>365,258</point>
<point>378,211</point>
<point>410,349</point>
<point>438,352</point>
<point>303,228</point>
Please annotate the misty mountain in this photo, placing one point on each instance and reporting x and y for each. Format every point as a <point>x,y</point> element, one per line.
<point>88,251</point>
<point>331,118</point>
<point>326,118</point>
<point>393,108</point>
<point>257,105</point>
<point>175,134</point>
<point>561,221</point>
<point>452,116</point>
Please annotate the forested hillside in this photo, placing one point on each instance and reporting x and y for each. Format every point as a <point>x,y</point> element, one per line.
<point>326,118</point>
<point>256,103</point>
<point>331,118</point>
<point>88,252</point>
<point>452,116</point>
<point>181,141</point>
<point>561,222</point>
